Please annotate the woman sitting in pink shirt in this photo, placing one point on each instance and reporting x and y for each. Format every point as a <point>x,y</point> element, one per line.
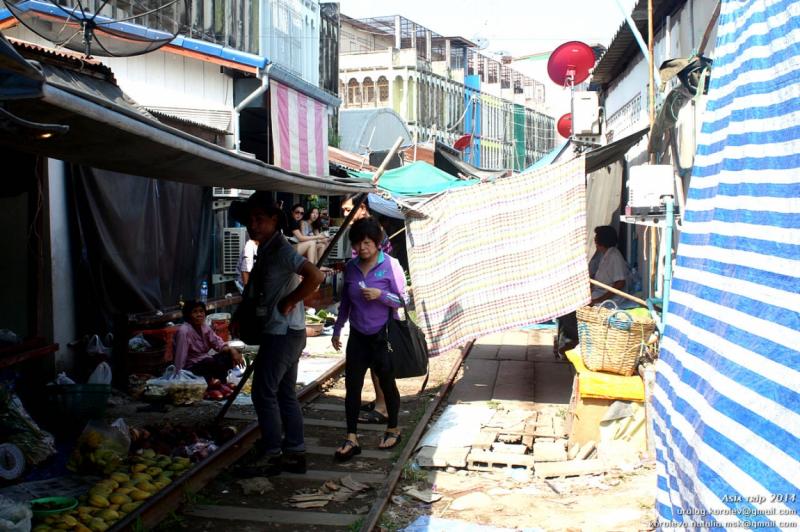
<point>194,341</point>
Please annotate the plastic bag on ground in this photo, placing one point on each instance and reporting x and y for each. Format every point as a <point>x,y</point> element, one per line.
<point>101,374</point>
<point>14,516</point>
<point>62,378</point>
<point>235,375</point>
<point>138,343</point>
<point>95,347</point>
<point>17,427</point>
<point>182,387</point>
<point>101,448</point>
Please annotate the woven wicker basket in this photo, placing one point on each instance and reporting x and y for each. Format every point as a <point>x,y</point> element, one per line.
<point>612,340</point>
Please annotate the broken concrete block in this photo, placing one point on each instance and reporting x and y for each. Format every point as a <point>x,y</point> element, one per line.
<point>479,460</point>
<point>569,468</point>
<point>573,451</point>
<point>484,440</point>
<point>586,450</point>
<point>509,438</point>
<point>549,451</point>
<point>501,447</point>
<point>442,457</point>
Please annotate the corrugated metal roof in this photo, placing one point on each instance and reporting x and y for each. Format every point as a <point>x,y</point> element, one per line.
<point>67,58</point>
<point>623,48</point>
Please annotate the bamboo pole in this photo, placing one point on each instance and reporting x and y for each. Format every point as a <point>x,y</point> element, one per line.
<point>382,168</point>
<point>619,292</point>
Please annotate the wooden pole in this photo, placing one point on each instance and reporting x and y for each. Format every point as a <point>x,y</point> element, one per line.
<point>618,292</point>
<point>385,162</point>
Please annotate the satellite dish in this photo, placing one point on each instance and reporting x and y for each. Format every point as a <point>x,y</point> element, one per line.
<point>463,142</point>
<point>569,64</point>
<point>116,28</point>
<point>564,126</point>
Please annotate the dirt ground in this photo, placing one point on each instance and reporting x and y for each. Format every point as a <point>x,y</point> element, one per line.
<point>620,499</point>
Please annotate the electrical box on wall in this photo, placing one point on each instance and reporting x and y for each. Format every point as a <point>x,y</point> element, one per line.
<point>647,183</point>
<point>585,114</point>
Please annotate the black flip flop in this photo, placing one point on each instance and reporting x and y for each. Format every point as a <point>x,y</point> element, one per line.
<point>386,435</point>
<point>352,450</point>
<point>368,407</point>
<point>373,417</point>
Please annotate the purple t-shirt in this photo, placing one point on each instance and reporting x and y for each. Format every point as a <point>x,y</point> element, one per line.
<point>369,317</point>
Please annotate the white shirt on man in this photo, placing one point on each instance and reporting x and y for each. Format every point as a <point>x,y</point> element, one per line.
<point>246,261</point>
<point>612,268</point>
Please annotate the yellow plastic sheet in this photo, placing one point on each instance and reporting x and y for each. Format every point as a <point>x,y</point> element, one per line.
<point>601,385</point>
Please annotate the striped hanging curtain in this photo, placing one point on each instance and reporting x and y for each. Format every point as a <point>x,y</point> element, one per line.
<point>299,131</point>
<point>727,394</point>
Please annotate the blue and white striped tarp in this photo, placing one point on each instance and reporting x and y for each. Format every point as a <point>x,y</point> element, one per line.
<point>727,394</point>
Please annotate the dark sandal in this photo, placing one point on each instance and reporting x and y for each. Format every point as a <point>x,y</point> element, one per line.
<point>368,407</point>
<point>352,450</point>
<point>373,417</point>
<point>387,435</point>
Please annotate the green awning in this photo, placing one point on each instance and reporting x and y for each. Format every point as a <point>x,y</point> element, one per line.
<point>416,179</point>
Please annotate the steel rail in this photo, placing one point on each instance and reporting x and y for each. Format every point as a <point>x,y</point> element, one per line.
<point>170,498</point>
<point>374,515</point>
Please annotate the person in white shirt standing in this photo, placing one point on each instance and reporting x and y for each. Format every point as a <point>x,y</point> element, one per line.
<point>247,260</point>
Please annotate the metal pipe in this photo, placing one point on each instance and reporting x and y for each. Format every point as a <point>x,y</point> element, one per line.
<point>637,35</point>
<point>650,59</point>
<point>264,76</point>
<point>668,228</point>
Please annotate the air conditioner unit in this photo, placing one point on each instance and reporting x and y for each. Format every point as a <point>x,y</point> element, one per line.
<point>219,192</point>
<point>647,183</point>
<point>233,241</point>
<point>342,250</point>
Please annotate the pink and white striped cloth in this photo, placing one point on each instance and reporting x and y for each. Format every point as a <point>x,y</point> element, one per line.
<point>299,131</point>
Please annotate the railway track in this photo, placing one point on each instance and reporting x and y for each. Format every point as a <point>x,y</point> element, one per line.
<point>209,496</point>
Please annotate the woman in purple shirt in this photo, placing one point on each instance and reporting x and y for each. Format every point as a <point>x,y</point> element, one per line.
<point>374,286</point>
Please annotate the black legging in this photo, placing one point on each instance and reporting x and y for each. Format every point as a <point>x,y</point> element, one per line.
<point>368,351</point>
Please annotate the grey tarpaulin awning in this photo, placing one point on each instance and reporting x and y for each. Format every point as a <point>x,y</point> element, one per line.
<point>603,156</point>
<point>110,132</point>
<point>447,159</point>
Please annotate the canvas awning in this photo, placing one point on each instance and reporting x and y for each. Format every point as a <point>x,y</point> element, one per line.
<point>446,159</point>
<point>416,179</point>
<point>109,131</point>
<point>605,155</point>
<point>596,158</point>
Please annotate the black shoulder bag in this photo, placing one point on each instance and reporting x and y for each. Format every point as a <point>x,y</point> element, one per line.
<point>254,312</point>
<point>408,350</point>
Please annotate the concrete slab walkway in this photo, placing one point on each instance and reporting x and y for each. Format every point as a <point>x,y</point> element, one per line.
<point>515,367</point>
